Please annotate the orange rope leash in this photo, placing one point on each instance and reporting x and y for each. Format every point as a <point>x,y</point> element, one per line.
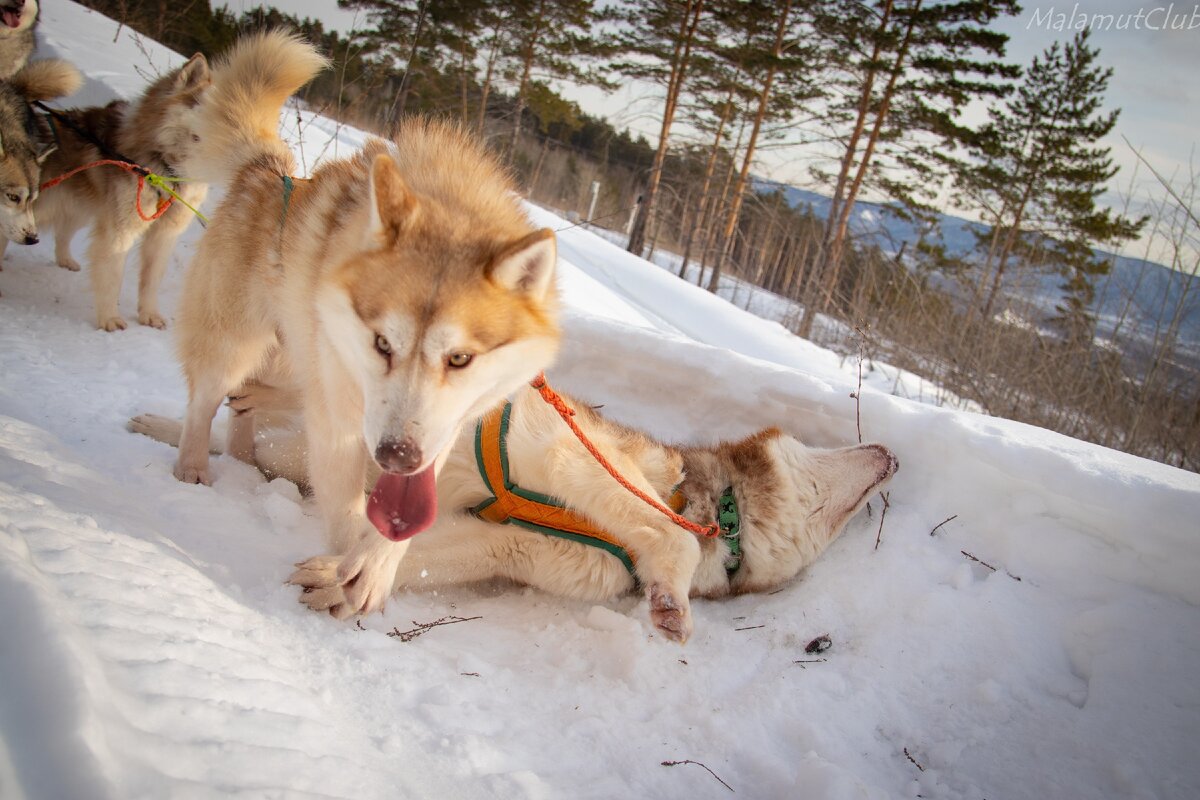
<point>141,173</point>
<point>566,412</point>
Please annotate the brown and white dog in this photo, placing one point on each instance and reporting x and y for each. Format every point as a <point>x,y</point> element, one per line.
<point>792,501</point>
<point>26,142</point>
<point>404,289</point>
<point>158,132</point>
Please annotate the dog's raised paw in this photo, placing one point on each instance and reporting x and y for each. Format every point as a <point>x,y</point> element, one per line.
<point>669,614</point>
<point>69,263</point>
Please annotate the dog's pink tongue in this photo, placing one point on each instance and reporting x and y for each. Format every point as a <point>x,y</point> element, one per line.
<point>12,18</point>
<point>403,505</point>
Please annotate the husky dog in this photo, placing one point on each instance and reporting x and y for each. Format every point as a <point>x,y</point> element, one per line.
<point>404,289</point>
<point>789,503</point>
<point>18,18</point>
<point>25,143</point>
<point>158,132</point>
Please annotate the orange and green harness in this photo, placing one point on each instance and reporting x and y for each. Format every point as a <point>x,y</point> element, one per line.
<point>512,505</point>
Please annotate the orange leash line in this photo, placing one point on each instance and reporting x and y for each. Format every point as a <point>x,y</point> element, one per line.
<point>566,412</point>
<point>141,173</point>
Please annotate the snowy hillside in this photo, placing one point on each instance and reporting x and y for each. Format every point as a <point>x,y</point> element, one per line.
<point>1133,295</point>
<point>149,649</point>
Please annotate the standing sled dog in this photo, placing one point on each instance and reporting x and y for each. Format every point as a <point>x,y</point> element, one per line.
<point>780,505</point>
<point>403,290</point>
<point>158,132</point>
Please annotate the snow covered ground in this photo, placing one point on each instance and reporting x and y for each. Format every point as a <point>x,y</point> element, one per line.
<point>149,649</point>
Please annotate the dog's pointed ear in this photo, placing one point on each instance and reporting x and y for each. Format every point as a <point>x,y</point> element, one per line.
<point>527,265</point>
<point>393,206</point>
<point>193,74</point>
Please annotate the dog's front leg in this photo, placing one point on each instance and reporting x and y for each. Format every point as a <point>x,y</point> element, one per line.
<point>667,556</point>
<point>155,253</point>
<point>337,471</point>
<point>106,261</point>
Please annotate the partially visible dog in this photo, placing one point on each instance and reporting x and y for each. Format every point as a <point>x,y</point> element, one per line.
<point>18,18</point>
<point>158,132</point>
<point>780,504</point>
<point>404,289</point>
<point>26,143</point>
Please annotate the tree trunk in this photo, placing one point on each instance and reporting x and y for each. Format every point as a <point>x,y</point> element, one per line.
<point>739,191</point>
<point>836,245</point>
<point>493,53</point>
<point>860,124</point>
<point>679,62</point>
<point>526,70</point>
<point>709,169</point>
<point>405,83</point>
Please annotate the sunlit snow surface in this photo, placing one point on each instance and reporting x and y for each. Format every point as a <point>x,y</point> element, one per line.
<point>149,648</point>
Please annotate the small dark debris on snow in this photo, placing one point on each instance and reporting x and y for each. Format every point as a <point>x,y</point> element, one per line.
<point>913,760</point>
<point>819,644</point>
<point>750,627</point>
<point>698,764</point>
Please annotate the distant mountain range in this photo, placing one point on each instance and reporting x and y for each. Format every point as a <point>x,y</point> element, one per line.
<point>1142,292</point>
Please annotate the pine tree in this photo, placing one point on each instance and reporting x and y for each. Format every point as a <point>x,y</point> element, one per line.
<point>771,45</point>
<point>550,40</point>
<point>907,69</point>
<point>1037,172</point>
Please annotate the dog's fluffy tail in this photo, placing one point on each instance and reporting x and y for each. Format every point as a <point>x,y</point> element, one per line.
<point>46,79</point>
<point>239,115</point>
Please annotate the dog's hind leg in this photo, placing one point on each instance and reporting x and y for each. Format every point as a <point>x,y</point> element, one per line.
<point>214,367</point>
<point>64,232</point>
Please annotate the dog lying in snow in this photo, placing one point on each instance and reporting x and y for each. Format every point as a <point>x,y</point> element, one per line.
<point>779,504</point>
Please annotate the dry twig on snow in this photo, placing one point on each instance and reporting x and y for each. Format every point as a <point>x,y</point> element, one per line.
<point>698,764</point>
<point>422,627</point>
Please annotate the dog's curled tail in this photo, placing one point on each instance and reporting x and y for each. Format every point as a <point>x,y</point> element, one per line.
<point>239,115</point>
<point>46,79</point>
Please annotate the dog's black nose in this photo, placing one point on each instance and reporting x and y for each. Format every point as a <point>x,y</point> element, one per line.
<point>30,238</point>
<point>398,456</point>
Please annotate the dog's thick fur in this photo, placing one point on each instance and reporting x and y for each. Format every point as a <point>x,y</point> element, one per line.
<point>26,142</point>
<point>793,502</point>
<point>18,18</point>
<point>158,131</point>
<point>403,291</point>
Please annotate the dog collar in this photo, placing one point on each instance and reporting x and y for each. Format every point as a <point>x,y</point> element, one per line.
<point>729,520</point>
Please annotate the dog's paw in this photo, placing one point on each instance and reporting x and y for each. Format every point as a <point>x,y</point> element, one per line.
<point>318,572</point>
<point>318,578</point>
<point>149,425</point>
<point>367,585</point>
<point>670,612</point>
<point>114,323</point>
<point>152,319</point>
<point>69,263</point>
<point>190,474</point>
